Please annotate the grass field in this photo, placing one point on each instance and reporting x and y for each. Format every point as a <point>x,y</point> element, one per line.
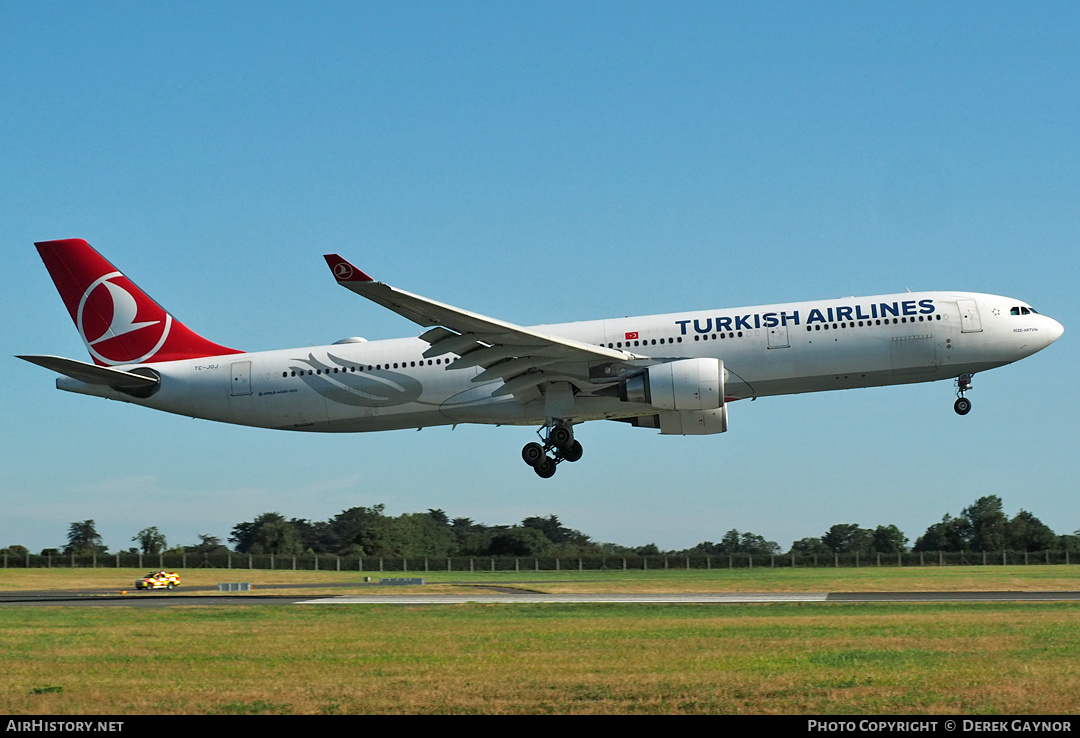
<point>955,658</point>
<point>824,579</point>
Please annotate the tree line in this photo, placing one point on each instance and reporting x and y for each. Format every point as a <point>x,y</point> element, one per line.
<point>370,532</point>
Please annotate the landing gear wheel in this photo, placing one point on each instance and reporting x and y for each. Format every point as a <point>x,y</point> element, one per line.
<point>561,437</point>
<point>557,445</point>
<point>533,454</point>
<point>545,469</point>
<point>574,452</point>
<point>962,406</point>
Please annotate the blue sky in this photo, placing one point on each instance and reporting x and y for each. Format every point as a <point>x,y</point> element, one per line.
<point>541,162</point>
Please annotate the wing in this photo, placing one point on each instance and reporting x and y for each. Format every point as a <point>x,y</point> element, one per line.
<point>526,360</point>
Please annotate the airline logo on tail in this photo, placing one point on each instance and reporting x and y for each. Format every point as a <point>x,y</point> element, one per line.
<point>109,311</point>
<point>118,322</point>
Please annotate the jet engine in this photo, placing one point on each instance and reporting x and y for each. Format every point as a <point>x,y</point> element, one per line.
<point>686,384</point>
<point>690,392</point>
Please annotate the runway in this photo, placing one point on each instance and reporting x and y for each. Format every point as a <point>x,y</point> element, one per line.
<point>551,599</point>
<point>730,598</point>
<point>507,596</point>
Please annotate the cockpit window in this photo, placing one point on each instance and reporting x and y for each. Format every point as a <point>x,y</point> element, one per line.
<point>1014,311</point>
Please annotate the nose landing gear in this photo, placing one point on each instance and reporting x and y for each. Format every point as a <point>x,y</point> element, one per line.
<point>558,439</point>
<point>962,406</point>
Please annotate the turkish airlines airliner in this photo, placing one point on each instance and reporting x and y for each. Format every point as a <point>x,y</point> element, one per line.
<point>676,373</point>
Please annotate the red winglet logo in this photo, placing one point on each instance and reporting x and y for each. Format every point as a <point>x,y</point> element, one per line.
<point>118,322</point>
<point>344,271</point>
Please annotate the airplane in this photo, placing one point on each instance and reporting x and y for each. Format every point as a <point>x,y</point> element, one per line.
<point>676,373</point>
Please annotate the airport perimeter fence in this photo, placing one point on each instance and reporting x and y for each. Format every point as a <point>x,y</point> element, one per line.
<point>372,564</point>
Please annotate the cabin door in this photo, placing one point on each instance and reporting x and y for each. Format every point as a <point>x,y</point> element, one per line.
<point>778,337</point>
<point>969,316</point>
<point>241,378</point>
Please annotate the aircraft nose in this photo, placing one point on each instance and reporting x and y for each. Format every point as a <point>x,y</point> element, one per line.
<point>1055,331</point>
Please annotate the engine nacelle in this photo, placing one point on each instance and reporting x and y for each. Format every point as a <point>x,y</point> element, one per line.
<point>686,384</point>
<point>685,422</point>
<point>693,422</point>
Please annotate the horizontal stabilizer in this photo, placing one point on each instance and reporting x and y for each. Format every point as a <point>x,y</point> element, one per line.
<point>93,374</point>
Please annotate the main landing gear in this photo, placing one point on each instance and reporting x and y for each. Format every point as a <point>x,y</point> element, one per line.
<point>962,406</point>
<point>558,438</point>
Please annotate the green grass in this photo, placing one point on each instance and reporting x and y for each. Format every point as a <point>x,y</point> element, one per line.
<point>953,658</point>
<point>762,579</point>
<point>835,658</point>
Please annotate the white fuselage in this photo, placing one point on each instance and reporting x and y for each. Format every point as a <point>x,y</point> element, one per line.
<point>767,350</point>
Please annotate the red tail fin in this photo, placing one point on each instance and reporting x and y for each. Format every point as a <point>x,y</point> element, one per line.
<point>118,322</point>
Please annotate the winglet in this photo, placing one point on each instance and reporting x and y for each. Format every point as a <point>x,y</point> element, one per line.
<point>344,271</point>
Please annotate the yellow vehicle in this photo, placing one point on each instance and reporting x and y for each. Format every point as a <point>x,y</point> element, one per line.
<point>158,580</point>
